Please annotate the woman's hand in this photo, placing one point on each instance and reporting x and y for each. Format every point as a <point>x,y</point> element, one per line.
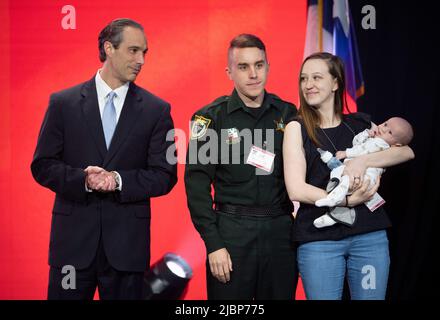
<point>363,193</point>
<point>355,169</point>
<point>341,155</point>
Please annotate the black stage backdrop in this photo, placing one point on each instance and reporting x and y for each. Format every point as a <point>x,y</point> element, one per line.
<point>400,67</point>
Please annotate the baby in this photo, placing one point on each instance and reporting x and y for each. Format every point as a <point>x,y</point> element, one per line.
<point>393,132</point>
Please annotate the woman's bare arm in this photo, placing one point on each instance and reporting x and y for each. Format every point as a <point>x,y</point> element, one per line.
<point>295,172</point>
<point>295,167</point>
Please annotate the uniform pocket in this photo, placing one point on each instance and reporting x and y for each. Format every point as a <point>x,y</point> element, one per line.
<point>234,168</point>
<point>240,173</point>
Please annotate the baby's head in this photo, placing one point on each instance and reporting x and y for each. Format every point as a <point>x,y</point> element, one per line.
<point>395,131</point>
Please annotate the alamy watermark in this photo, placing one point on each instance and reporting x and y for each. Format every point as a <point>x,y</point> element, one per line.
<point>369,280</point>
<point>69,19</point>
<point>68,282</point>
<point>223,146</point>
<point>369,20</point>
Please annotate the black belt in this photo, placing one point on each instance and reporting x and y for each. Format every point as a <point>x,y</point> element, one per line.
<point>260,211</point>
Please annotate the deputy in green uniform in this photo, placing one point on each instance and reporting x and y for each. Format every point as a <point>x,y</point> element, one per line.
<point>235,147</point>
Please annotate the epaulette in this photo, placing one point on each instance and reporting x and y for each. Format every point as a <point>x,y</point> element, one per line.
<point>206,109</point>
<point>218,101</point>
<point>281,101</point>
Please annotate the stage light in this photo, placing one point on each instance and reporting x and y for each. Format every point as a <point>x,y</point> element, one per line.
<point>167,279</point>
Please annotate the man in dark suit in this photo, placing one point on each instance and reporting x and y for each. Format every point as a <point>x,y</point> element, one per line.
<point>102,149</point>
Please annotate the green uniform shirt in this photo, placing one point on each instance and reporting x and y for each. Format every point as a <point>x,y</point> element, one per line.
<point>217,155</point>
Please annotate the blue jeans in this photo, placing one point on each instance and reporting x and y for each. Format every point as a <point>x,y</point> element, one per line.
<point>364,258</point>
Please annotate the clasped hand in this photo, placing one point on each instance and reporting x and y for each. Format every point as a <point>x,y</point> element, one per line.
<point>360,187</point>
<point>98,179</point>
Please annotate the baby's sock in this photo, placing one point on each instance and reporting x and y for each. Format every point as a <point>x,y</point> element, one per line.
<point>324,221</point>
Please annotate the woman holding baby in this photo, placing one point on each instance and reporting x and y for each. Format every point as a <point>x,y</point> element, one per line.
<point>327,255</point>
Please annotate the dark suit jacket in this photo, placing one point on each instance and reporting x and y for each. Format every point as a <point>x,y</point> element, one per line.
<point>71,138</point>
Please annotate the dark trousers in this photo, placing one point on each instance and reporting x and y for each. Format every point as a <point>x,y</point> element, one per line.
<point>263,259</point>
<point>112,284</point>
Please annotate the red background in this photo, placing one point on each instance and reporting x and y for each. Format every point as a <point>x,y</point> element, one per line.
<point>185,65</point>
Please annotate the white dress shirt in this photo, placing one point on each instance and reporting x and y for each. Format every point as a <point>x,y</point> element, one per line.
<point>103,89</point>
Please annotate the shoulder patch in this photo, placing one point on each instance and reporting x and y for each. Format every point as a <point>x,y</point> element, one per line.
<point>199,127</point>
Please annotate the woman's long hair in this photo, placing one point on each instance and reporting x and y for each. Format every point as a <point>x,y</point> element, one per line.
<point>309,114</point>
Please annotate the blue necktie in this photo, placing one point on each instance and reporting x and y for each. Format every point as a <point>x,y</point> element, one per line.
<point>109,119</point>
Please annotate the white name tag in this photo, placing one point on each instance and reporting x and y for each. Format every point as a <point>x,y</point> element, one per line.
<point>261,159</point>
<point>375,202</point>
